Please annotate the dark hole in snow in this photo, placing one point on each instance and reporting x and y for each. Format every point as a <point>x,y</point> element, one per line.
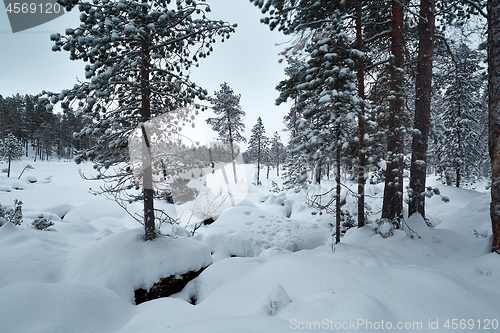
<point>165,287</point>
<point>208,221</point>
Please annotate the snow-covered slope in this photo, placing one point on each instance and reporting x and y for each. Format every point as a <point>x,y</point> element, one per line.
<point>273,266</point>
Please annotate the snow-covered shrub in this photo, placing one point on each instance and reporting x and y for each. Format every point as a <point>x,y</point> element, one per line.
<point>41,223</point>
<point>13,214</point>
<point>275,188</point>
<point>385,228</point>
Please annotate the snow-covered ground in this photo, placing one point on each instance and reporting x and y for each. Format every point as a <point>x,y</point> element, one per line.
<point>272,266</point>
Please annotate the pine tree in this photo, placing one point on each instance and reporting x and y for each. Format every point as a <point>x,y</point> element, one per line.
<point>11,149</point>
<point>277,152</point>
<point>423,86</point>
<point>288,92</point>
<point>229,122</point>
<point>392,205</point>
<point>296,164</point>
<point>138,54</point>
<point>257,146</point>
<point>459,117</point>
<point>330,93</point>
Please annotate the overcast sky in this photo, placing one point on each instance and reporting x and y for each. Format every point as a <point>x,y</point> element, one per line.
<point>248,62</point>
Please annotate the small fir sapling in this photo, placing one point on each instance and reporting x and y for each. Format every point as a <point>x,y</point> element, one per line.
<point>41,223</point>
<point>11,149</point>
<point>12,214</point>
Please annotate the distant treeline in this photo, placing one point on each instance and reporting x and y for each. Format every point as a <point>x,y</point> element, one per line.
<point>40,130</point>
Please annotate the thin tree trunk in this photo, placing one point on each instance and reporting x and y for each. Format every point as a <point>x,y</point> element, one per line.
<point>232,148</point>
<point>258,163</point>
<point>8,167</point>
<point>148,192</point>
<point>418,168</point>
<point>494,116</point>
<point>361,120</point>
<point>459,142</point>
<point>392,207</point>
<point>337,191</point>
<point>278,165</point>
<point>317,172</point>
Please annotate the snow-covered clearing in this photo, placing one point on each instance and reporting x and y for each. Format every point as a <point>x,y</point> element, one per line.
<point>272,265</point>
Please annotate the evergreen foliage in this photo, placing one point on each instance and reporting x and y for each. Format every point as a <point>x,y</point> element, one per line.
<point>11,149</point>
<point>257,145</point>
<point>277,152</point>
<point>328,94</point>
<point>460,122</point>
<point>42,223</point>
<point>228,123</point>
<point>138,57</point>
<point>40,129</point>
<point>12,214</point>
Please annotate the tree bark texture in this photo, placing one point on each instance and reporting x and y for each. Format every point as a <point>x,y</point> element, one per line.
<point>317,172</point>
<point>392,207</point>
<point>494,115</point>
<point>232,148</point>
<point>148,192</point>
<point>337,190</point>
<point>423,86</point>
<point>258,162</point>
<point>361,119</point>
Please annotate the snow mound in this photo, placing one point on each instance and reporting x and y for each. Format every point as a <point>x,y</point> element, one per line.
<point>61,307</point>
<point>277,299</point>
<point>9,184</point>
<point>30,255</point>
<point>30,179</point>
<point>247,324</point>
<point>124,262</point>
<point>248,232</point>
<point>93,210</point>
<point>60,210</point>
<point>217,275</point>
<point>474,216</point>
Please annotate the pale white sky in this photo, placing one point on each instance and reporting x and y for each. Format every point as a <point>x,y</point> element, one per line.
<point>248,62</point>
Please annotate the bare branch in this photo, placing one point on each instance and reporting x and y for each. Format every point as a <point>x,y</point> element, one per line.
<point>476,7</point>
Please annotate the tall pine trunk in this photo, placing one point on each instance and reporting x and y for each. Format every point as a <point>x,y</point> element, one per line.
<point>418,168</point>
<point>232,148</point>
<point>148,192</point>
<point>494,115</point>
<point>317,172</point>
<point>337,189</point>
<point>9,158</point>
<point>392,207</point>
<point>258,163</point>
<point>361,120</point>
